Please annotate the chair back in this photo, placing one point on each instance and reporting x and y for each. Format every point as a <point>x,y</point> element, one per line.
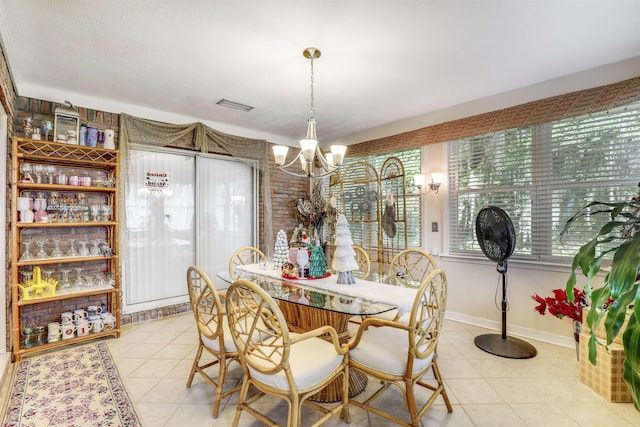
<point>411,266</point>
<point>364,263</point>
<point>205,303</point>
<point>257,327</point>
<point>244,255</point>
<point>427,313</point>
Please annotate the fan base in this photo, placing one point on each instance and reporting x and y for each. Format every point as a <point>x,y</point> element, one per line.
<point>513,348</point>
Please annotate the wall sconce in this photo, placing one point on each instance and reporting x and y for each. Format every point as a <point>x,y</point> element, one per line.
<point>434,185</point>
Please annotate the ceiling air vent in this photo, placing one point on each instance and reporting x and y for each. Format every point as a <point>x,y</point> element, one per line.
<point>235,105</point>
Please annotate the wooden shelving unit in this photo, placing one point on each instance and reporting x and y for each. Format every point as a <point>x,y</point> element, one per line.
<point>88,160</point>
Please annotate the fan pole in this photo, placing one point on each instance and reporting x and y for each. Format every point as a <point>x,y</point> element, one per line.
<point>502,345</point>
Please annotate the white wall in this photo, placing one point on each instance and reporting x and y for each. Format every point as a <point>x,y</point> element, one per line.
<point>475,287</point>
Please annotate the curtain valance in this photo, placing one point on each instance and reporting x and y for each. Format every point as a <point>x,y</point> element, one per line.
<point>198,136</point>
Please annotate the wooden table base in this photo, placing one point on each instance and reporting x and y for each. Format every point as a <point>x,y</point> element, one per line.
<point>302,318</point>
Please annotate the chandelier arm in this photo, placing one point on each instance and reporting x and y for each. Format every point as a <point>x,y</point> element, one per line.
<point>301,175</point>
<point>296,159</point>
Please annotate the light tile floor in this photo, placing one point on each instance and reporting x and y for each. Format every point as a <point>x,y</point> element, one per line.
<point>154,359</point>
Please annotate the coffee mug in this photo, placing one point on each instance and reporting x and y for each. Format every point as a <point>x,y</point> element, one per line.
<point>68,330</point>
<point>55,331</point>
<point>66,317</point>
<point>96,325</point>
<point>82,327</point>
<point>93,310</point>
<point>79,314</point>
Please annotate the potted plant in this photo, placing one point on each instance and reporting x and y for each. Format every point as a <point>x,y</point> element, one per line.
<point>619,292</point>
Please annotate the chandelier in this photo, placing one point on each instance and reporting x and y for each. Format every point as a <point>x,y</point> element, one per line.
<point>309,149</point>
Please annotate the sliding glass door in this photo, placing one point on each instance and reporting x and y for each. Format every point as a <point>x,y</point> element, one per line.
<point>182,209</point>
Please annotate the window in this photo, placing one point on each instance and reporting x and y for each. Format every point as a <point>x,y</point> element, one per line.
<point>541,175</point>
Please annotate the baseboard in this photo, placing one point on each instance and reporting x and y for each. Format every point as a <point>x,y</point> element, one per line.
<point>513,330</point>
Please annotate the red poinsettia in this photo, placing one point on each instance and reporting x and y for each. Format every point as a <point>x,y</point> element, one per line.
<point>560,306</point>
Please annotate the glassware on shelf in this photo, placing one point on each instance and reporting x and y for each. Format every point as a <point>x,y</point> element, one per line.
<point>27,276</point>
<point>105,213</point>
<point>72,248</point>
<point>109,280</point>
<point>50,170</point>
<point>38,169</point>
<point>40,206</point>
<point>41,252</point>
<point>99,280</point>
<point>78,282</point>
<point>56,252</point>
<point>65,283</point>
<point>83,251</point>
<point>95,212</point>
<point>25,169</point>
<point>24,207</point>
<point>94,249</point>
<point>26,253</point>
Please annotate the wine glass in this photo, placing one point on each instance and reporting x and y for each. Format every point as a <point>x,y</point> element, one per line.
<point>302,257</point>
<point>41,252</point>
<point>56,252</point>
<point>78,283</point>
<point>50,170</point>
<point>38,169</point>
<point>26,168</point>
<point>26,254</point>
<point>72,248</point>
<point>94,249</point>
<point>83,251</point>
<point>65,283</point>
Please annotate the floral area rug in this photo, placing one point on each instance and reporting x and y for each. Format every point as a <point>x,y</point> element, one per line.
<point>78,386</point>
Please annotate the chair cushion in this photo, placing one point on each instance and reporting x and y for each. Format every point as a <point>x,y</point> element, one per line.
<point>311,361</point>
<point>213,343</point>
<point>386,349</point>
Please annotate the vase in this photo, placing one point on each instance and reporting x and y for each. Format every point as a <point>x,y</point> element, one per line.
<point>577,328</point>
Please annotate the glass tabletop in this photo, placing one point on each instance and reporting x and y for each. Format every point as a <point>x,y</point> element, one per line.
<point>301,294</point>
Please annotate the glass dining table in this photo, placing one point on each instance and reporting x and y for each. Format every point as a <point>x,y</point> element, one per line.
<point>309,304</point>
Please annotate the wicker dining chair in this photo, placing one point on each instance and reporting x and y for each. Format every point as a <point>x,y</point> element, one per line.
<point>278,363</point>
<point>213,333</point>
<point>410,266</point>
<point>242,256</point>
<point>401,354</point>
<point>363,260</point>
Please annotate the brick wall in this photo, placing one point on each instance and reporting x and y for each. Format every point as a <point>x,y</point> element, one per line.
<point>284,187</point>
<point>7,99</point>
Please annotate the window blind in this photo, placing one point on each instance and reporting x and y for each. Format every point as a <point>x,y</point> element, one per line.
<point>541,175</point>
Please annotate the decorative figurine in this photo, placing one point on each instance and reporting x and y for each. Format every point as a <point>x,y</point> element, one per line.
<point>344,258</point>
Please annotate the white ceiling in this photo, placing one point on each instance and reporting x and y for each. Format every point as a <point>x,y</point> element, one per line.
<point>384,65</point>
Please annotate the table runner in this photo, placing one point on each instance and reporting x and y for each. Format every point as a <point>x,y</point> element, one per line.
<point>397,296</point>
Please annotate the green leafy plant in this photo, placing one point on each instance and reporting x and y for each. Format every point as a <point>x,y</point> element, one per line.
<point>619,292</point>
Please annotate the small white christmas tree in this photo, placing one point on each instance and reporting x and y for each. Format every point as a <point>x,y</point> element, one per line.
<point>280,250</point>
<point>344,258</point>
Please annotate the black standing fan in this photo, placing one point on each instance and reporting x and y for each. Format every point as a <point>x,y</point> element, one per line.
<point>496,236</point>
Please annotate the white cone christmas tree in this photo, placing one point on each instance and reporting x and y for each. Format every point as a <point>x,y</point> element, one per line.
<point>344,258</point>
<point>280,250</point>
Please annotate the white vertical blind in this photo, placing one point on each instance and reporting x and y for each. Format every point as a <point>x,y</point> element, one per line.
<point>226,208</point>
<point>160,228</point>
<point>204,214</point>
